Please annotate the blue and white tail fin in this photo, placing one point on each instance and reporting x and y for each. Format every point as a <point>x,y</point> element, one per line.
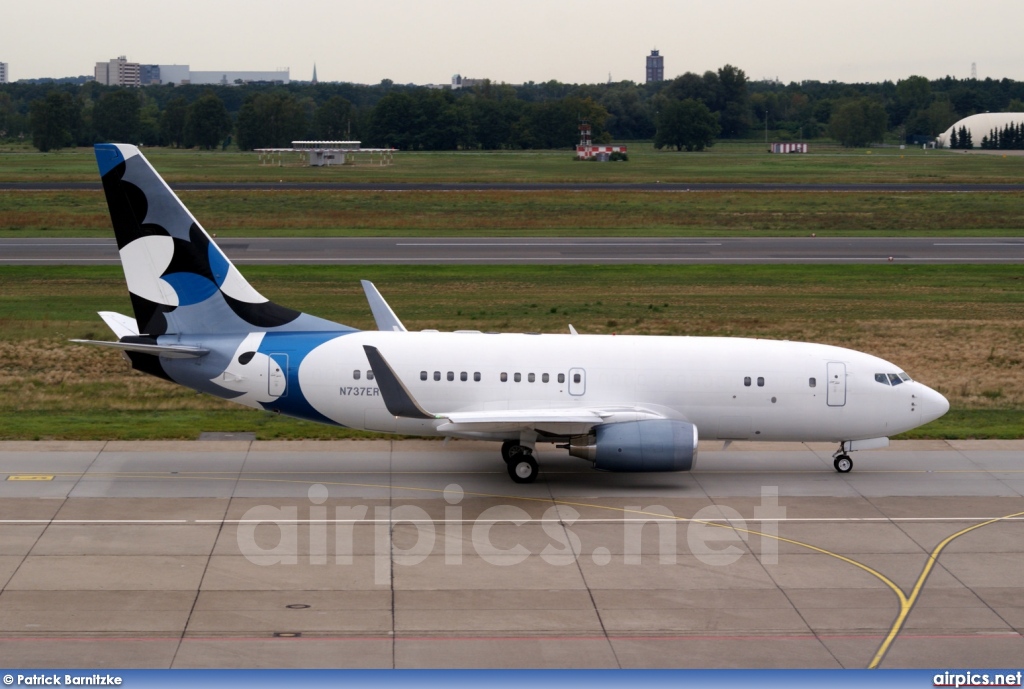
<point>179,280</point>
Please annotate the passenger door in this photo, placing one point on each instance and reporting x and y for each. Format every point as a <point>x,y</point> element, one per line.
<point>836,395</point>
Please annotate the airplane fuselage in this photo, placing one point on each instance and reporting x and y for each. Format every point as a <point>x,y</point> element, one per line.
<point>730,388</point>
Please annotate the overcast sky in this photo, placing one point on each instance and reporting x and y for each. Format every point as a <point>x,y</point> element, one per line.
<point>576,41</point>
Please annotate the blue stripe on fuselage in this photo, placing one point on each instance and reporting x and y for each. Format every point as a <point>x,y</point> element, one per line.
<point>296,346</point>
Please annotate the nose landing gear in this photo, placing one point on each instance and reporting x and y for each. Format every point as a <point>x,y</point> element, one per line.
<point>841,461</point>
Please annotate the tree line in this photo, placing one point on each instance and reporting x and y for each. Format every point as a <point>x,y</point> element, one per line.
<point>1009,138</point>
<point>689,112</point>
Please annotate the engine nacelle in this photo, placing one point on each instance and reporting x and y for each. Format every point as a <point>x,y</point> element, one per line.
<point>651,445</point>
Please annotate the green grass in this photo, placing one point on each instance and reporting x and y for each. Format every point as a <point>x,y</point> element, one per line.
<point>972,423</point>
<point>956,328</point>
<point>725,162</point>
<point>412,214</point>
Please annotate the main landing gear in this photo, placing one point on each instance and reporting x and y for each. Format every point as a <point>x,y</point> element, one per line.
<point>522,467</point>
<point>841,461</point>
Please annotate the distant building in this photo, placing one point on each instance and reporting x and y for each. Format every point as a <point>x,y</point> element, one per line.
<point>118,72</point>
<point>315,80</point>
<point>173,74</point>
<point>980,126</point>
<point>4,78</point>
<point>461,82</point>
<point>149,75</point>
<point>655,67</point>
<point>235,78</point>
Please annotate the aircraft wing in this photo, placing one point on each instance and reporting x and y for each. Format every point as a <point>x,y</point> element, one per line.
<point>400,402</point>
<point>526,416</point>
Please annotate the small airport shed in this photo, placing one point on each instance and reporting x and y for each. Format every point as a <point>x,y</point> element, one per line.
<point>788,148</point>
<point>980,126</point>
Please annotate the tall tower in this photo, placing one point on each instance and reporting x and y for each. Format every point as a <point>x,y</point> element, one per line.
<point>315,82</point>
<point>3,73</point>
<point>655,67</point>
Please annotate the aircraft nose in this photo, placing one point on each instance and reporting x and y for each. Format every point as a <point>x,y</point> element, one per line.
<point>932,404</point>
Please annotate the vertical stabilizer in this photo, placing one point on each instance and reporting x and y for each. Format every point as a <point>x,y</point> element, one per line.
<point>179,280</point>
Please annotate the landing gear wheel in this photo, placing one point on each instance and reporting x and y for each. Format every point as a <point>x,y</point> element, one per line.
<point>506,449</point>
<point>843,464</point>
<point>522,468</point>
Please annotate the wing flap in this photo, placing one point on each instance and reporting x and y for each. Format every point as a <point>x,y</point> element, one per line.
<point>525,416</point>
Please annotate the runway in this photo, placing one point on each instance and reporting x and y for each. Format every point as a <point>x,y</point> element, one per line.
<point>548,250</point>
<point>413,554</point>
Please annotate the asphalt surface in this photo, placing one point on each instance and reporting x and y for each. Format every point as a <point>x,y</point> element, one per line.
<point>548,250</point>
<point>413,554</point>
<point>540,186</point>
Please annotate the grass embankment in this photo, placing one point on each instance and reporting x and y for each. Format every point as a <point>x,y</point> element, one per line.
<point>412,214</point>
<point>725,162</point>
<point>956,328</point>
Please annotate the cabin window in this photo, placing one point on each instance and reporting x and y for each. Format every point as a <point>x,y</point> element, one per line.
<point>423,375</point>
<point>504,377</point>
<point>476,377</point>
<point>531,378</point>
<point>760,382</point>
<point>894,379</point>
<point>451,376</point>
<point>812,382</point>
<point>545,378</point>
<point>576,378</point>
<point>882,378</point>
<point>463,376</point>
<point>437,375</point>
<point>561,377</point>
<point>518,377</point>
<point>746,381</point>
<point>356,374</point>
<point>369,375</point>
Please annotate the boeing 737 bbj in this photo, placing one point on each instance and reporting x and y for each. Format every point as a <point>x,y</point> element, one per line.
<point>623,403</point>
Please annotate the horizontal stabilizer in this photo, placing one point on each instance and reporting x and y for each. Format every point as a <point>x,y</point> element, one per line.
<point>123,326</point>
<point>166,351</point>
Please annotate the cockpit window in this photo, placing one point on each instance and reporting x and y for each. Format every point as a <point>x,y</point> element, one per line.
<point>894,379</point>
<point>882,378</point>
<point>904,377</point>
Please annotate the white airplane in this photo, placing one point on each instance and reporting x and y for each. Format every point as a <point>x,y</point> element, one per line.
<point>623,403</point>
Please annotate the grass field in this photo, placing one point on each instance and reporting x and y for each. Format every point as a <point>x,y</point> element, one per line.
<point>956,328</point>
<point>410,214</point>
<point>725,162</point>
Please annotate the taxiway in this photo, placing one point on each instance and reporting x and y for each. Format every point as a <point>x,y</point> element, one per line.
<point>413,554</point>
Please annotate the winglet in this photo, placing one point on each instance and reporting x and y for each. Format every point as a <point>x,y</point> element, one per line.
<point>397,398</point>
<point>382,313</point>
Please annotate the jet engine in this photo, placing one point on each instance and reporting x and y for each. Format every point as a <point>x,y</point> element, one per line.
<point>650,445</point>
